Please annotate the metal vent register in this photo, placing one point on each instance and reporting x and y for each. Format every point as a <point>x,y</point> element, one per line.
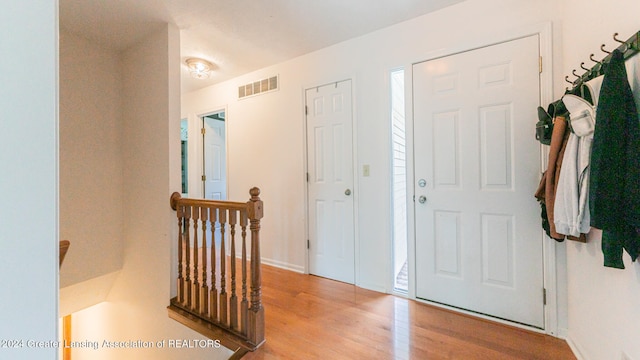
<point>258,87</point>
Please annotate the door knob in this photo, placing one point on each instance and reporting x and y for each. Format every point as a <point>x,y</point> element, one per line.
<point>347,192</point>
<point>422,199</point>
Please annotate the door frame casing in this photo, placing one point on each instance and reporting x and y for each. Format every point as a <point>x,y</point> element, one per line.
<point>195,165</point>
<point>550,281</point>
<point>354,151</point>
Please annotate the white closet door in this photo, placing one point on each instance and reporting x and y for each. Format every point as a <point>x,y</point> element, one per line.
<point>330,186</point>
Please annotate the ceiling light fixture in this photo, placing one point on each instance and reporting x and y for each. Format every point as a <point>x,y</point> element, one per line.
<point>199,69</point>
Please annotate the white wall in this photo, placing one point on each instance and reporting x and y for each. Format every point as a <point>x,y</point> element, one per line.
<point>29,180</point>
<point>604,311</point>
<point>136,306</point>
<point>91,159</point>
<point>266,133</point>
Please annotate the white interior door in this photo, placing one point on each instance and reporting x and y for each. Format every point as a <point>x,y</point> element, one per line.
<point>478,234</point>
<point>330,181</point>
<point>215,158</point>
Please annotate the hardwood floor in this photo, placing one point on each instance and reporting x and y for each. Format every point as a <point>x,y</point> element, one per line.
<point>309,317</point>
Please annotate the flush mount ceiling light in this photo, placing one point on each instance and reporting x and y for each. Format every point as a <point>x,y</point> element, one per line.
<point>199,69</point>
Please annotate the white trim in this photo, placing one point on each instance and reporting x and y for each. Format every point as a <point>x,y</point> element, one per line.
<point>194,156</point>
<point>197,121</point>
<point>563,333</point>
<point>305,183</point>
<point>576,349</point>
<point>549,245</point>
<point>544,33</point>
<point>550,283</point>
<point>411,191</point>
<point>283,265</point>
<point>539,29</point>
<point>356,183</point>
<point>390,273</point>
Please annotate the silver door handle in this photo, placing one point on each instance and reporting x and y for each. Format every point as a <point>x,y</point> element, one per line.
<point>347,192</point>
<point>422,199</point>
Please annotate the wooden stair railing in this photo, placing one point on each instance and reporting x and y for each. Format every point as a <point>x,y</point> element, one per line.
<point>208,299</point>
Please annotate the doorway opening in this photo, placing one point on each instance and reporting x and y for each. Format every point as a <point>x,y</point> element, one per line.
<point>214,156</point>
<point>184,158</point>
<point>399,184</point>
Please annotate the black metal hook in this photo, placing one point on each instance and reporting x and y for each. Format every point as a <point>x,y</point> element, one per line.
<point>582,66</point>
<point>594,60</point>
<point>603,50</point>
<point>566,78</point>
<point>626,46</point>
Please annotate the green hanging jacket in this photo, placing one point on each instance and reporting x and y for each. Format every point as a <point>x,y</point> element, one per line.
<point>614,189</point>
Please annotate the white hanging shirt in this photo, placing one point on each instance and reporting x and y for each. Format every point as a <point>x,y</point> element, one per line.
<point>571,207</point>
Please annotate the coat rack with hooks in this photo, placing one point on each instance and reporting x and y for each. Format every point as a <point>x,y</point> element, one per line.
<point>628,48</point>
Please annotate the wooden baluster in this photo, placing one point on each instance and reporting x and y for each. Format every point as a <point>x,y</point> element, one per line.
<point>233,301</point>
<point>256,313</point>
<point>212,299</point>
<point>187,222</point>
<point>223,273</point>
<point>180,212</point>
<point>196,280</point>
<point>213,293</point>
<point>244,304</point>
<point>204,289</point>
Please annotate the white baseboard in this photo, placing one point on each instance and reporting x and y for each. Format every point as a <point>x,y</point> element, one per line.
<point>283,265</point>
<point>563,333</point>
<point>575,348</point>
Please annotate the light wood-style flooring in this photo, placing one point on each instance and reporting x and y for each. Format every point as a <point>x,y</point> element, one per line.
<point>309,317</point>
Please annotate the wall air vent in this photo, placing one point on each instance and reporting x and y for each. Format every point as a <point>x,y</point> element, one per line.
<point>258,87</point>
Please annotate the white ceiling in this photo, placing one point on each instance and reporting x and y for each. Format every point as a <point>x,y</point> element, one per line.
<point>238,36</point>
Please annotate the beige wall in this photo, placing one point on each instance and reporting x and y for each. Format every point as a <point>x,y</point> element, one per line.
<point>91,159</point>
<point>135,308</point>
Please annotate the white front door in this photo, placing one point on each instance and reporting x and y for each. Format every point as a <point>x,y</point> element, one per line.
<point>478,233</point>
<point>330,181</point>
<point>215,158</point>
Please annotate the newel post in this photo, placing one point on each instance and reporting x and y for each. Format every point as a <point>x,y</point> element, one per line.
<point>173,202</point>
<point>256,311</point>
